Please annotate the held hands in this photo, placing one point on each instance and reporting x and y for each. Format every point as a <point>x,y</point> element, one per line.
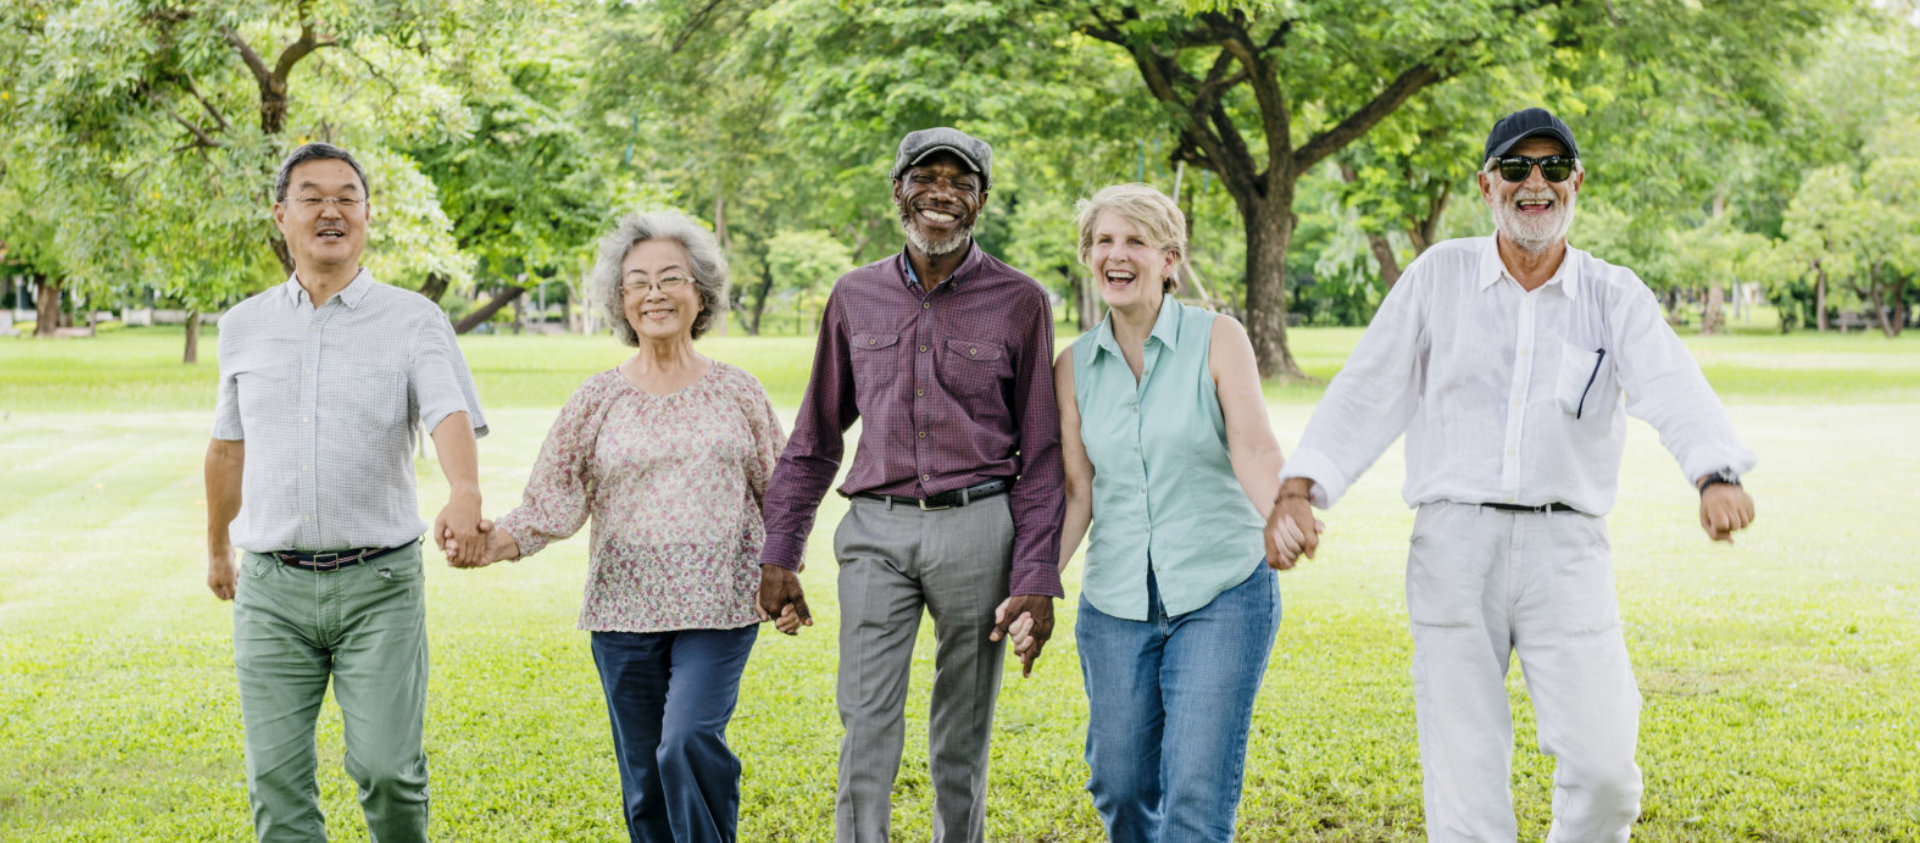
<point>1292,531</point>
<point>1028,620</point>
<point>489,547</point>
<point>457,531</point>
<point>1725,508</point>
<point>782,601</point>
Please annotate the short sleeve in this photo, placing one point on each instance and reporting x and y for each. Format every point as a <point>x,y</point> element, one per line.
<point>226,407</point>
<point>441,382</point>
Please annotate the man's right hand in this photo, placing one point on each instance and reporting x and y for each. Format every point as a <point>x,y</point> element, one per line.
<point>220,573</point>
<point>1292,531</point>
<point>782,600</point>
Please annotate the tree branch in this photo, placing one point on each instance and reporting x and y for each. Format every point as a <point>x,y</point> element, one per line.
<point>261,73</point>
<point>296,51</point>
<point>214,112</point>
<point>698,19</point>
<point>199,132</point>
<point>1396,93</point>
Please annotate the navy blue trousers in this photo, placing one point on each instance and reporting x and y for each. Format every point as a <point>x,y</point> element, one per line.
<point>669,696</point>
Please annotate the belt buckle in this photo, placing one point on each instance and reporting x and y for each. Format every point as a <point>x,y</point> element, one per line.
<point>925,508</point>
<point>328,565</point>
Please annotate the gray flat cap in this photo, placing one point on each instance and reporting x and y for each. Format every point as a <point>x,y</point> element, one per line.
<point>916,146</point>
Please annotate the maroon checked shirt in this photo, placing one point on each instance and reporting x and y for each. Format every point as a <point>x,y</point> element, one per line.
<point>955,388</point>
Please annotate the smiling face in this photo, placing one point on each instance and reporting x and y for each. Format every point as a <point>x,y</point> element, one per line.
<point>325,215</point>
<point>1533,214</point>
<point>654,311</point>
<point>939,199</point>
<point>1128,268</point>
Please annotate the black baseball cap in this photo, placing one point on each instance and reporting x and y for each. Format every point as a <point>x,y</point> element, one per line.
<point>1527,123</point>
<point>972,151</point>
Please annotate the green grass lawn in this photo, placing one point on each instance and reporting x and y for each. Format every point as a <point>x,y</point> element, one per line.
<point>1781,674</point>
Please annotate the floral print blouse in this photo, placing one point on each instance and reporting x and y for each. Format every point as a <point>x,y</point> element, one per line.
<point>673,484</point>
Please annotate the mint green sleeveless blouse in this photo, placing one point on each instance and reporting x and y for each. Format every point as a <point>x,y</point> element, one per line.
<point>1164,493</point>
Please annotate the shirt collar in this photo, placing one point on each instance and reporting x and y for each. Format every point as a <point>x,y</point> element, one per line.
<point>1566,279</point>
<point>967,265</point>
<point>1166,329</point>
<point>355,291</point>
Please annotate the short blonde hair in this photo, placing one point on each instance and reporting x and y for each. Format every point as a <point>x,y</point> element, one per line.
<point>1153,212</point>
<point>708,267</point>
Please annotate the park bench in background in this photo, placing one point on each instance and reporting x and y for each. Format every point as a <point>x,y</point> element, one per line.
<point>1849,320</point>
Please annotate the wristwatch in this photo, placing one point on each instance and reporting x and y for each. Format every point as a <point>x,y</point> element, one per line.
<point>1724,475</point>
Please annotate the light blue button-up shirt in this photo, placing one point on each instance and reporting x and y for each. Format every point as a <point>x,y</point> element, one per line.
<point>1164,492</point>
<point>326,399</point>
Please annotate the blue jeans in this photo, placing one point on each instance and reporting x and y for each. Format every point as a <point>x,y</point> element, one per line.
<point>1170,702</point>
<point>669,696</point>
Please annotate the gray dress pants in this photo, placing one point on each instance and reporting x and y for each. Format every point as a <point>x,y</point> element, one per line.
<point>894,560</point>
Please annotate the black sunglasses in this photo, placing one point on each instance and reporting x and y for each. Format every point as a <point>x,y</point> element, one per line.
<point>1554,168</point>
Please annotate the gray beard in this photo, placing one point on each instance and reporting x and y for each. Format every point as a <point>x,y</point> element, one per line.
<point>1533,236</point>
<point>933,248</point>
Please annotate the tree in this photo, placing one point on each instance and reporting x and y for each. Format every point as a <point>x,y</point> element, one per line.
<point>162,124</point>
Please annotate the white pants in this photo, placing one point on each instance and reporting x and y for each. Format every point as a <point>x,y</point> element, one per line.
<point>1483,584</point>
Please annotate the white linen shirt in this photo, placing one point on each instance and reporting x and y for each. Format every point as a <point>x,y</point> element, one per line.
<point>1509,396</point>
<point>326,400</point>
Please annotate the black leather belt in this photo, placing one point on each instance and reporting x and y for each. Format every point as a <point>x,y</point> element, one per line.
<point>334,560</point>
<point>1556,506</point>
<point>948,499</point>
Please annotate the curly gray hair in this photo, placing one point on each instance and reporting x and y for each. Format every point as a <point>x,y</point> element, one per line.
<point>709,266</point>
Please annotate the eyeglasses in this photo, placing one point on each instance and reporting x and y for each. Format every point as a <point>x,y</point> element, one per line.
<point>1553,168</point>
<point>665,285</point>
<point>313,203</point>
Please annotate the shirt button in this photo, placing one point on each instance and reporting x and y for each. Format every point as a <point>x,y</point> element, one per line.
<point>923,434</point>
<point>923,349</point>
<point>925,304</point>
<point>925,477</point>
<point>973,351</point>
<point>1508,499</point>
<point>1516,403</point>
<point>919,392</point>
<point>306,420</point>
<point>872,341</point>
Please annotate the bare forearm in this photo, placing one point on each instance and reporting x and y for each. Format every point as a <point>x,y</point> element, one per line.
<point>459,455</point>
<point>1073,527</point>
<point>225,465</point>
<point>1258,470</point>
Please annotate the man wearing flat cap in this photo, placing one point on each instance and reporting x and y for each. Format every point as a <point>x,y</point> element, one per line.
<point>1503,359</point>
<point>945,354</point>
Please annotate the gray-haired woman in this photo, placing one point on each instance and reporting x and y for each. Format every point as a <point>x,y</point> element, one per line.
<point>669,454</point>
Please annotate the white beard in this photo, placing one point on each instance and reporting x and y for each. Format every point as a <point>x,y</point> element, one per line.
<point>933,248</point>
<point>1534,234</point>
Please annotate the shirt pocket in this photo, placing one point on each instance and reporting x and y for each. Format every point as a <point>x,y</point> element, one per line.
<point>975,367</point>
<point>876,360</point>
<point>1581,383</point>
<point>369,401</point>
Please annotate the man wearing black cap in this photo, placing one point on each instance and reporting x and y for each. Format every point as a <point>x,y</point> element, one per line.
<point>945,355</point>
<point>1503,359</point>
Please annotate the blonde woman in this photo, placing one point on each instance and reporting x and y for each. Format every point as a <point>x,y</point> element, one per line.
<point>1172,465</point>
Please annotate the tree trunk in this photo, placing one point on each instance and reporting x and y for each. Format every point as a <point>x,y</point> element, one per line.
<point>752,317</point>
<point>486,311</point>
<point>1377,242</point>
<point>1820,298</point>
<point>1383,255</point>
<point>435,286</point>
<point>1424,232</point>
<point>192,353</point>
<point>1269,225</point>
<point>46,307</point>
<point>1714,320</point>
